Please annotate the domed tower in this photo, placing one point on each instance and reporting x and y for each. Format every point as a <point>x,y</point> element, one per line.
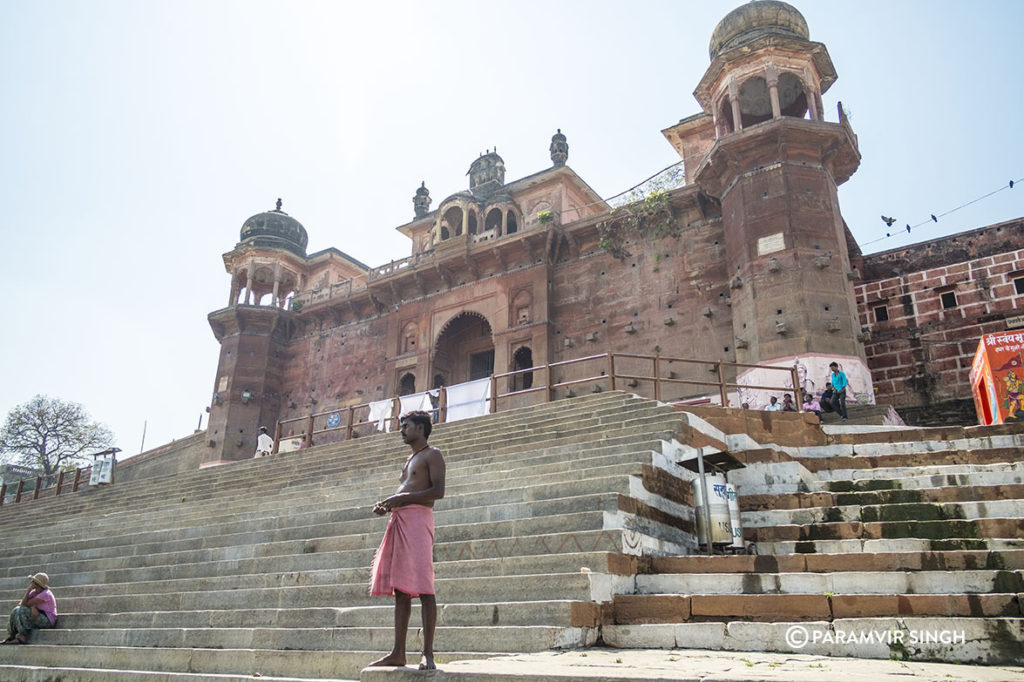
<point>267,267</point>
<point>486,174</point>
<point>775,164</point>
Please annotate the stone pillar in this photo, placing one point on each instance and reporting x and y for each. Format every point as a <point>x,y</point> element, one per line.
<point>277,283</point>
<point>248,286</point>
<point>734,99</point>
<point>465,221</point>
<point>233,296</point>
<point>504,222</point>
<point>772,78</point>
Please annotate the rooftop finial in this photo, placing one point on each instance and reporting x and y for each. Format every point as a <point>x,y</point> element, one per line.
<point>421,202</point>
<point>559,149</point>
<point>278,204</point>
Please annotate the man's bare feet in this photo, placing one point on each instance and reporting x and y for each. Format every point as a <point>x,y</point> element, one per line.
<point>427,663</point>
<point>393,660</point>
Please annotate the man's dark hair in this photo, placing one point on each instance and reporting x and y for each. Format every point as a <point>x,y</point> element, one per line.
<point>833,364</point>
<point>420,417</point>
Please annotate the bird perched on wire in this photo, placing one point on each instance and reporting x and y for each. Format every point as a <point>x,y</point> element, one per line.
<point>888,221</point>
<point>934,219</point>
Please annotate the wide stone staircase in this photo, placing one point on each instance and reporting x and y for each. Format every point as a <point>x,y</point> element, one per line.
<point>261,567</point>
<point>873,543</point>
<point>566,525</point>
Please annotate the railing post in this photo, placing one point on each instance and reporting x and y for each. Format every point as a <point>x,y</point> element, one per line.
<point>60,482</point>
<point>78,477</point>
<point>611,368</point>
<point>494,395</point>
<point>547,373</point>
<point>351,419</point>
<point>277,437</point>
<point>3,493</point>
<point>797,397</point>
<point>309,431</point>
<point>39,484</point>
<point>442,405</point>
<point>21,486</point>
<point>721,383</point>
<point>657,377</point>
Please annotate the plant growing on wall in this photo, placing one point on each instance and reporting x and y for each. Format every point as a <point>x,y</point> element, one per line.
<point>649,219</point>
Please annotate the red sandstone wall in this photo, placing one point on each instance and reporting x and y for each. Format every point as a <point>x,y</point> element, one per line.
<point>922,355</point>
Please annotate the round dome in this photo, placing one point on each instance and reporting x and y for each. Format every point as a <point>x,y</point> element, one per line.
<point>755,20</point>
<point>275,230</point>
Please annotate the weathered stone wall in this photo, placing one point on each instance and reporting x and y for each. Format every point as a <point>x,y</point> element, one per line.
<point>921,356</point>
<point>171,459</point>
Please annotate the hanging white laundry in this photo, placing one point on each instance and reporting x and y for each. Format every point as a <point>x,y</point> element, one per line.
<point>471,399</point>
<point>414,402</point>
<point>380,412</point>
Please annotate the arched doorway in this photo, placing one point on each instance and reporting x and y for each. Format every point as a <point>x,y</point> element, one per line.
<point>464,350</point>
<point>521,359</point>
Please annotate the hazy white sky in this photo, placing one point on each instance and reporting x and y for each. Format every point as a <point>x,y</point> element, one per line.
<point>138,135</point>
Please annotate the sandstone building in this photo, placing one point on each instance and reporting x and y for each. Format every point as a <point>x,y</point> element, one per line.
<point>748,261</point>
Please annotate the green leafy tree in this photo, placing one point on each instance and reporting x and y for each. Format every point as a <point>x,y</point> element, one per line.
<point>49,434</point>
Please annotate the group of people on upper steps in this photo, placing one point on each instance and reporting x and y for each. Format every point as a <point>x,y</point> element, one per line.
<point>832,399</point>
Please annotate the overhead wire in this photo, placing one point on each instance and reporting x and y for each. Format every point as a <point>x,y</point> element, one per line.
<point>933,218</point>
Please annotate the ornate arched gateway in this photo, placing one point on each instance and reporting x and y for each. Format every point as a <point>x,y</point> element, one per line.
<point>464,350</point>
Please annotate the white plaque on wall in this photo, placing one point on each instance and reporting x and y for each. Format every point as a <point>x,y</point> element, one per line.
<point>771,244</point>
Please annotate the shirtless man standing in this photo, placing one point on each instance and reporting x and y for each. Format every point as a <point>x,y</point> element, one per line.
<point>404,564</point>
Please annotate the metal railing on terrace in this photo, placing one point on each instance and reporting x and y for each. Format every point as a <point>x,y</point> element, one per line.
<point>682,381</point>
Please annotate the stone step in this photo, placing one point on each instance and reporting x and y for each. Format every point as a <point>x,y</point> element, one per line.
<point>324,552</point>
<point>930,530</point>
<point>562,613</point>
<point>846,582</point>
<point>536,486</point>
<point>210,479</point>
<point>907,477</point>
<point>486,589</point>
<point>545,464</point>
<point>986,641</point>
<point>888,495</point>
<point>905,462</point>
<point>823,563</point>
<point>847,547</point>
<point>325,665</point>
<point>652,665</point>
<point>909,511</point>
<point>481,639</point>
<point>797,606</point>
<point>168,579</point>
<point>450,525</point>
<point>10,673</point>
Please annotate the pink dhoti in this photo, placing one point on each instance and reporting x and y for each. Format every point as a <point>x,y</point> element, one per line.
<point>405,558</point>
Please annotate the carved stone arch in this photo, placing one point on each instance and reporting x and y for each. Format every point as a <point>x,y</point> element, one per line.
<point>521,308</point>
<point>408,339</point>
<point>793,95</point>
<point>464,348</point>
<point>492,219</point>
<point>407,384</point>
<point>755,101</point>
<point>522,358</point>
<point>513,219</point>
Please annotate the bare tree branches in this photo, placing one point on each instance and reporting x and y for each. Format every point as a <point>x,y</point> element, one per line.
<point>51,434</point>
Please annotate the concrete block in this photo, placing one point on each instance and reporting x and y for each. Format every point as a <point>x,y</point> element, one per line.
<point>640,636</point>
